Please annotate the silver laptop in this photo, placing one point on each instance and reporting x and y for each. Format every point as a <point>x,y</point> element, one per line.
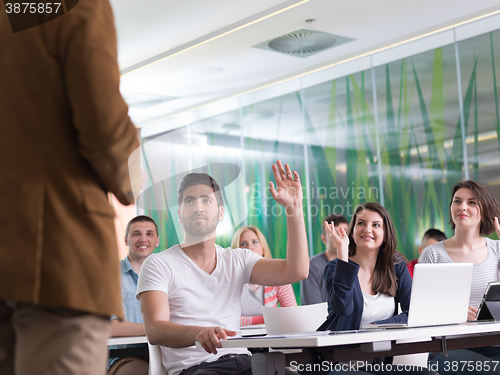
<point>439,295</point>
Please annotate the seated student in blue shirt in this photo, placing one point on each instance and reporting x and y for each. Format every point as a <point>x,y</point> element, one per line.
<point>312,289</point>
<point>368,279</point>
<point>141,237</point>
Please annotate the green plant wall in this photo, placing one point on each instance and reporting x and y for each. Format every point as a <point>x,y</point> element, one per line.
<point>403,148</point>
<point>420,168</point>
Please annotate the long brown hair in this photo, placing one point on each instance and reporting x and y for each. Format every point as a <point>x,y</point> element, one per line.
<point>383,279</point>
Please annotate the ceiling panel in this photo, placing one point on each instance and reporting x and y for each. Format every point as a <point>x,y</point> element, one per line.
<point>231,65</point>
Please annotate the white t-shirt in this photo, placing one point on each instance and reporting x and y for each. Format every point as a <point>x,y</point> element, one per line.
<point>198,298</point>
<point>482,273</point>
<point>377,307</point>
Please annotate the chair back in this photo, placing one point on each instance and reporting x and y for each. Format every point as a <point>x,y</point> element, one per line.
<point>155,364</point>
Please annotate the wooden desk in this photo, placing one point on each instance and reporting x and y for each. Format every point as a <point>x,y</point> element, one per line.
<point>355,345</point>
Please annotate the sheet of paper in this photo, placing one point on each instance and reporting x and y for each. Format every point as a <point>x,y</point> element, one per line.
<point>296,319</point>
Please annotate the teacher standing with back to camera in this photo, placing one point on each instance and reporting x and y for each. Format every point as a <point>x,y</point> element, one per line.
<point>65,142</point>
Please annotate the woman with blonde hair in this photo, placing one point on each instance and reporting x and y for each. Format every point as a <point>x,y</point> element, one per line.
<point>255,296</point>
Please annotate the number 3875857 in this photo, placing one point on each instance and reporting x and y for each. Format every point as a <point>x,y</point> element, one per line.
<point>32,7</point>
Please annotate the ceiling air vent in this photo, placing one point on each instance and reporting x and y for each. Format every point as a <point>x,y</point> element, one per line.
<point>303,42</point>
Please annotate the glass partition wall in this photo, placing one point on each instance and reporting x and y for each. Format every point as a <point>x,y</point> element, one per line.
<point>400,133</point>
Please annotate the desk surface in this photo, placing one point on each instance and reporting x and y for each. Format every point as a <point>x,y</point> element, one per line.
<point>323,339</point>
<point>128,340</point>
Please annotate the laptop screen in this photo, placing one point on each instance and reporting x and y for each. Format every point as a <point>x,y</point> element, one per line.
<point>440,294</point>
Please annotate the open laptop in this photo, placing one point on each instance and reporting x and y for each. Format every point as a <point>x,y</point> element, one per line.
<point>439,295</point>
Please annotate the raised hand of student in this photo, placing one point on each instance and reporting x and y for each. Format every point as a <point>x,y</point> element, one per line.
<point>288,191</point>
<point>471,315</point>
<point>210,337</point>
<point>339,239</point>
<point>497,227</point>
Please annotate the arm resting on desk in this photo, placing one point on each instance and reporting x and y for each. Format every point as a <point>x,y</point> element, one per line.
<point>123,328</point>
<point>160,331</point>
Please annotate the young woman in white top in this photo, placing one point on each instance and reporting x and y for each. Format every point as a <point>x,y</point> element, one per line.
<point>474,213</point>
<point>366,282</point>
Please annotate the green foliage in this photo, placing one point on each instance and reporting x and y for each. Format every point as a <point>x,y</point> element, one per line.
<point>418,137</point>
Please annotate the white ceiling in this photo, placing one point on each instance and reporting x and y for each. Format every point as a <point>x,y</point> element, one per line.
<point>230,65</point>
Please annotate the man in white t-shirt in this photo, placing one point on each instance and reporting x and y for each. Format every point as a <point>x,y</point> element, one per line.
<point>191,291</point>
